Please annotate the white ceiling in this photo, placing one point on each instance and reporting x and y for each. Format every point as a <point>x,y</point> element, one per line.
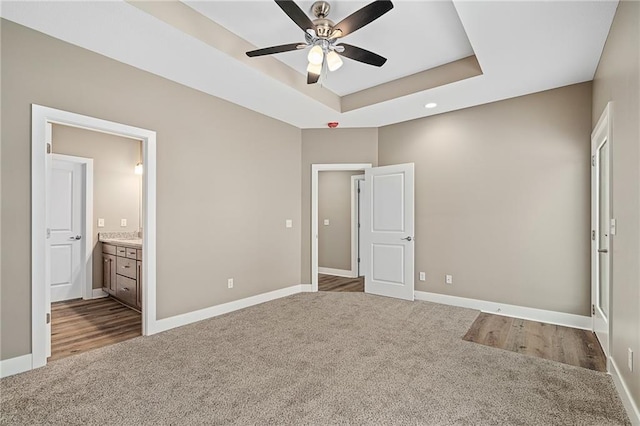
<point>410,45</point>
<point>523,47</point>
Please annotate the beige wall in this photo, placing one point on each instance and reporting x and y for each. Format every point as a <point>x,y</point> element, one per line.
<point>502,198</point>
<point>618,79</point>
<point>116,189</point>
<point>327,146</point>
<point>334,203</point>
<point>213,222</point>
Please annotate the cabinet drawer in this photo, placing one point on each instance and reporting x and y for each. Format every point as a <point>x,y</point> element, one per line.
<point>126,267</point>
<point>139,254</point>
<point>131,253</point>
<point>108,248</point>
<point>126,290</point>
<point>122,251</point>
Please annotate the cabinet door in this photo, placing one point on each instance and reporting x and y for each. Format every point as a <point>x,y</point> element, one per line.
<point>139,285</point>
<point>109,273</point>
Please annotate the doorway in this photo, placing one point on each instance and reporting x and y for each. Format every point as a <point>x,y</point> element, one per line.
<point>42,119</point>
<point>603,227</point>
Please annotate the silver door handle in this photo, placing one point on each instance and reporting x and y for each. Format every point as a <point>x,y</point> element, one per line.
<point>407,238</point>
<point>603,251</point>
<point>77,237</point>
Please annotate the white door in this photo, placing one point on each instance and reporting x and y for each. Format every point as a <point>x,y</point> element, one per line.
<point>361,189</point>
<point>601,238</point>
<point>67,278</point>
<point>387,231</point>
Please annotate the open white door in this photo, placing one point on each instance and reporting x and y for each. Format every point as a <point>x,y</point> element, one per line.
<point>388,230</point>
<point>601,230</point>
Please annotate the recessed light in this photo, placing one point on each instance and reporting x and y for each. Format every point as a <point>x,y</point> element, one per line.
<point>431,105</point>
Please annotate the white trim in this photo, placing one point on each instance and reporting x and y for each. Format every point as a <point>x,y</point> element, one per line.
<point>87,200</point>
<point>97,293</point>
<point>523,312</point>
<point>306,288</point>
<point>41,119</point>
<point>337,272</point>
<point>354,224</point>
<point>315,168</point>
<point>625,395</point>
<point>225,308</point>
<point>11,366</point>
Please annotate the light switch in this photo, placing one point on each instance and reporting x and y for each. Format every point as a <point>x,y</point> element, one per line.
<point>123,222</point>
<point>100,223</point>
<point>613,227</point>
<point>423,276</point>
<point>326,222</point>
<point>288,223</point>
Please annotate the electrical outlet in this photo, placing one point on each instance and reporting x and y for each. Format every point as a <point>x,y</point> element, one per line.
<point>326,222</point>
<point>123,222</point>
<point>423,276</point>
<point>100,223</point>
<point>288,223</point>
<point>230,283</point>
<point>448,279</point>
<point>630,359</point>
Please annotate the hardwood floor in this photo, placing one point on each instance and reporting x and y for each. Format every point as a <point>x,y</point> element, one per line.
<point>333,283</point>
<point>563,344</point>
<point>82,325</point>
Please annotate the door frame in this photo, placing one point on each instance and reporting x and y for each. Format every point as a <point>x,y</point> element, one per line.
<point>355,232</point>
<point>315,169</point>
<point>87,220</point>
<point>41,117</point>
<point>602,128</point>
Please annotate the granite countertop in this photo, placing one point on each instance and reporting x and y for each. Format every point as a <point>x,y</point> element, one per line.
<point>124,239</point>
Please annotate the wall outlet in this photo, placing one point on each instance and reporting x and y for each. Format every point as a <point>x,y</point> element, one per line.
<point>423,276</point>
<point>448,279</point>
<point>326,222</point>
<point>123,222</point>
<point>230,283</point>
<point>630,359</point>
<point>288,223</point>
<point>100,223</point>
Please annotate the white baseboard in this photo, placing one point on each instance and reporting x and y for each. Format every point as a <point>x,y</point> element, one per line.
<point>306,288</point>
<point>337,272</point>
<point>523,312</point>
<point>225,308</point>
<point>98,293</point>
<point>19,364</point>
<point>625,395</point>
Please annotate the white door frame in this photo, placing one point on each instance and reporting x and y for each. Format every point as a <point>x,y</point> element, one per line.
<point>41,117</point>
<point>315,169</point>
<point>602,129</point>
<point>354,224</point>
<point>86,243</point>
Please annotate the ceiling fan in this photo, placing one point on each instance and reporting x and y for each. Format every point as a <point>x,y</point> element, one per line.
<point>322,35</point>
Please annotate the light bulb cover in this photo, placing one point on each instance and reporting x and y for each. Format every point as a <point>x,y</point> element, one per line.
<point>138,169</point>
<point>314,68</point>
<point>431,105</point>
<point>316,55</point>
<point>333,61</point>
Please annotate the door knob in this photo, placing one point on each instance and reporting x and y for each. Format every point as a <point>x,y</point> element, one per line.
<point>77,237</point>
<point>407,238</point>
<point>603,251</point>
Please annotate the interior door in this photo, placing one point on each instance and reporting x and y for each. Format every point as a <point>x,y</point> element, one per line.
<point>602,255</point>
<point>66,226</point>
<point>388,231</point>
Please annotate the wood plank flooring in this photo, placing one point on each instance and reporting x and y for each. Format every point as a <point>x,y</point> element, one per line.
<point>563,344</point>
<point>82,325</point>
<point>333,283</point>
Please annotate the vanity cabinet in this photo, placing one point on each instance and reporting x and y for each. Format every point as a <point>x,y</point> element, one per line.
<point>122,273</point>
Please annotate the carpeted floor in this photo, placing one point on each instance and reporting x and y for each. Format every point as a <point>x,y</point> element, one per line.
<point>314,358</point>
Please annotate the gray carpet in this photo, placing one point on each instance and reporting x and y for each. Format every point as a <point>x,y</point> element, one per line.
<point>316,358</point>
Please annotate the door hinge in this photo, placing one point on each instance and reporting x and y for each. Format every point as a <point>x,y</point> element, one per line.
<point>48,232</point>
<point>358,260</point>
<point>593,309</point>
<point>593,160</point>
<point>48,148</point>
<point>593,235</point>
<point>358,190</point>
<point>48,318</point>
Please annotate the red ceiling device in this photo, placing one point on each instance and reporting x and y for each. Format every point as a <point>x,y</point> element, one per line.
<point>332,124</point>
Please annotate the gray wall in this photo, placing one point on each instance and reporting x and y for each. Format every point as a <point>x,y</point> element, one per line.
<point>502,198</point>
<point>326,146</point>
<point>618,79</point>
<point>334,203</point>
<point>213,222</point>
<point>116,189</point>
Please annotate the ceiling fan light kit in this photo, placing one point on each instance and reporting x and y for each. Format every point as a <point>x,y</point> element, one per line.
<point>322,35</point>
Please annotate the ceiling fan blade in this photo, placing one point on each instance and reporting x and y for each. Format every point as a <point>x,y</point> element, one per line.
<point>296,14</point>
<point>362,55</point>
<point>274,49</point>
<point>360,18</point>
<point>312,78</point>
